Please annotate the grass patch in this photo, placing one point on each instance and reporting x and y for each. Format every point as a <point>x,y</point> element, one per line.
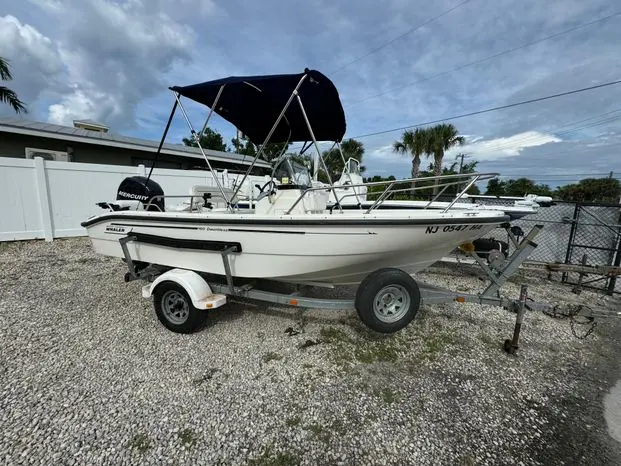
<point>347,350</point>
<point>334,335</point>
<point>271,356</point>
<point>488,340</point>
<point>319,432</point>
<point>362,386</point>
<point>268,458</point>
<point>437,343</point>
<point>466,460</point>
<point>377,352</point>
<point>293,421</point>
<point>140,442</point>
<point>188,437</point>
<point>388,395</point>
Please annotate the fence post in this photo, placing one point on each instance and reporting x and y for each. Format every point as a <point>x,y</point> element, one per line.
<point>612,281</point>
<point>570,241</point>
<point>142,170</point>
<point>44,199</point>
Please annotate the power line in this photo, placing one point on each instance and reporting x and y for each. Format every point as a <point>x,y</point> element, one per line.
<point>496,55</point>
<point>410,31</point>
<point>492,109</point>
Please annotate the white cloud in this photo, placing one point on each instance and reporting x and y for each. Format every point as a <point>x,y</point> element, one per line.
<point>116,55</point>
<point>80,103</point>
<point>33,58</point>
<point>25,44</point>
<point>503,147</point>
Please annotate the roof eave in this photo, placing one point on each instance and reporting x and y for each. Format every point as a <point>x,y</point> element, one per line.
<point>213,155</point>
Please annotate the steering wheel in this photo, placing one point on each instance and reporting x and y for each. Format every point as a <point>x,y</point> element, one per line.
<point>262,192</point>
<point>261,188</point>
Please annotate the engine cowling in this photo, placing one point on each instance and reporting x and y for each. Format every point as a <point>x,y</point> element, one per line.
<point>139,188</point>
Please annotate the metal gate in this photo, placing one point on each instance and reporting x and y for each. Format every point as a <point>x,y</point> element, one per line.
<point>594,239</point>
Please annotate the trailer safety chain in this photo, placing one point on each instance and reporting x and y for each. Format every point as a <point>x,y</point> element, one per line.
<point>572,321</point>
<point>572,314</point>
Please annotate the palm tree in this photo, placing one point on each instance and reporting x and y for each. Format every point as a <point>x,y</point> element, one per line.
<point>7,95</point>
<point>414,143</point>
<point>352,148</point>
<point>442,137</point>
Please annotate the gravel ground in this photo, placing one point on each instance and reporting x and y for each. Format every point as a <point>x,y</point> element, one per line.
<point>89,376</point>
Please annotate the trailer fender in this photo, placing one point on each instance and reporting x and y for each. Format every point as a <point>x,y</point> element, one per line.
<point>197,288</point>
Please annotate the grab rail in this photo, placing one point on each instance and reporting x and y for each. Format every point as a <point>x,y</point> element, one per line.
<point>184,196</point>
<point>458,179</point>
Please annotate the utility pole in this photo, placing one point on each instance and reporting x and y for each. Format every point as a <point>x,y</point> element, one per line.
<point>461,162</point>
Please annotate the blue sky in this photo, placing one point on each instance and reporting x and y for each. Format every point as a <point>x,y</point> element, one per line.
<point>113,61</point>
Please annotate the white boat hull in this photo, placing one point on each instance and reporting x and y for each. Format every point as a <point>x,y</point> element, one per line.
<point>336,249</point>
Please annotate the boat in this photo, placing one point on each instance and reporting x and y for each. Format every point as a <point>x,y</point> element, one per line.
<point>289,233</point>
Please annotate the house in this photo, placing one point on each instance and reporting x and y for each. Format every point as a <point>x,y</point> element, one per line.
<point>91,142</point>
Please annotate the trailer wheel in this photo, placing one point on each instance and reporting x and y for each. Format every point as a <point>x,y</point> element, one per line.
<point>387,300</point>
<point>174,308</point>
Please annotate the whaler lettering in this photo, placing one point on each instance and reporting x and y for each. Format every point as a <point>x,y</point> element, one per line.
<point>113,229</point>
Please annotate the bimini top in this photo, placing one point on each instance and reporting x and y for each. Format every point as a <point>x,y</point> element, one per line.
<point>253,103</point>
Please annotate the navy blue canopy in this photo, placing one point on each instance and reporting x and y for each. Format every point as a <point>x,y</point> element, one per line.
<point>253,103</point>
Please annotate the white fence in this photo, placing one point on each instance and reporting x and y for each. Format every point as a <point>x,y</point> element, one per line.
<point>49,199</point>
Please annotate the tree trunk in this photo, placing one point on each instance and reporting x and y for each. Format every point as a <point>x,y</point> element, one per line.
<point>437,169</point>
<point>415,173</point>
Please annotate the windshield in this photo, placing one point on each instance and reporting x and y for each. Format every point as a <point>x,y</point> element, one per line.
<point>289,171</point>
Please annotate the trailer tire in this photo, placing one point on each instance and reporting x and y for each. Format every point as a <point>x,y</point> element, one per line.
<point>387,300</point>
<point>174,308</point>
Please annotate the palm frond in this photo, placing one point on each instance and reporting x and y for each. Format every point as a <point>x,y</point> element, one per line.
<point>5,72</point>
<point>9,97</point>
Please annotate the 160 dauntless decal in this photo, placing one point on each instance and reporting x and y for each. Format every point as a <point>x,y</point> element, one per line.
<point>448,228</point>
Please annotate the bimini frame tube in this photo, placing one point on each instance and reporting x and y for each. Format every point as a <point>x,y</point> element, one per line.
<point>215,102</point>
<point>280,117</point>
<point>198,142</point>
<point>323,163</point>
<point>159,148</point>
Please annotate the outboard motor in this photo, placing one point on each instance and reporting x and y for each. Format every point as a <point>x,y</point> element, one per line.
<point>139,188</point>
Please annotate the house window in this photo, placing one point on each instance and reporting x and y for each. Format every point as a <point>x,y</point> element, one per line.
<point>46,154</point>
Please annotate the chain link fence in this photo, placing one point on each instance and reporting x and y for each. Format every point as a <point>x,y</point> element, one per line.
<point>573,232</point>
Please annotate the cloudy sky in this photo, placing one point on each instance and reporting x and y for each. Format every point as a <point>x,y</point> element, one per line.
<point>112,61</point>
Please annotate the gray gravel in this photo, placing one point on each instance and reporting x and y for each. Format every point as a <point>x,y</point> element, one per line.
<point>89,376</point>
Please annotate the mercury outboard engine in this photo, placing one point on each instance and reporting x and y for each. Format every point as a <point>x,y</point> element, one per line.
<point>141,189</point>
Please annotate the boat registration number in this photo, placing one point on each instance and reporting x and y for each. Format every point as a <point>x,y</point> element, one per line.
<point>449,228</point>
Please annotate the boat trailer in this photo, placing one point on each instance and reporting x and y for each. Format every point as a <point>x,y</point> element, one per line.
<point>386,301</point>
